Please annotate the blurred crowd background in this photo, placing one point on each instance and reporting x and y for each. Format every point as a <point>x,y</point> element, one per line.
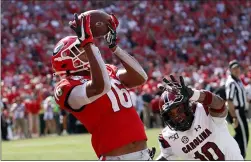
<point>193,38</point>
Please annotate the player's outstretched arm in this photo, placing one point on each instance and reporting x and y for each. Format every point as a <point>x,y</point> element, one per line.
<point>215,103</point>
<point>99,83</point>
<point>132,74</point>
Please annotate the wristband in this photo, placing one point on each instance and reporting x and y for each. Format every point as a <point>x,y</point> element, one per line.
<point>196,95</point>
<point>208,98</point>
<point>222,109</point>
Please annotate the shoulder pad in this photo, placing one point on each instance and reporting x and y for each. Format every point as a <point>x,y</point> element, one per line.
<point>64,87</point>
<point>61,89</point>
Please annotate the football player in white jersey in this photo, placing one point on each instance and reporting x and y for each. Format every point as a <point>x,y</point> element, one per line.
<point>196,127</point>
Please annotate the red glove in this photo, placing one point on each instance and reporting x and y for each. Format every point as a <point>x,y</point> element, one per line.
<point>111,36</point>
<point>81,26</point>
<point>114,21</point>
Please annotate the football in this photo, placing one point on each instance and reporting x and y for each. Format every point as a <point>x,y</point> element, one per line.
<point>99,22</point>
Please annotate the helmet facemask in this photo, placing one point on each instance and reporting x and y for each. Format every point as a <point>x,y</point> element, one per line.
<point>181,120</point>
<point>176,112</point>
<point>70,57</point>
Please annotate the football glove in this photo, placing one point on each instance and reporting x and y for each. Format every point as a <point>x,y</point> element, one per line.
<point>152,152</point>
<point>111,36</point>
<point>184,90</point>
<point>82,28</point>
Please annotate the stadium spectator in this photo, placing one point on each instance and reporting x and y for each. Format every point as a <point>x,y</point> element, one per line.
<point>18,110</point>
<point>56,116</point>
<point>41,121</point>
<point>32,107</point>
<point>48,105</point>
<point>4,123</point>
<point>147,110</point>
<point>139,104</point>
<point>227,38</point>
<point>155,109</point>
<point>63,122</point>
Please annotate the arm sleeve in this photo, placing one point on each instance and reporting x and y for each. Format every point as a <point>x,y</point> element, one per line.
<point>78,97</point>
<point>203,111</point>
<point>230,90</point>
<point>131,61</point>
<point>219,120</point>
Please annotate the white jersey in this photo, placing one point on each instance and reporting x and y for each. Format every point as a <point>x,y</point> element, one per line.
<point>207,139</point>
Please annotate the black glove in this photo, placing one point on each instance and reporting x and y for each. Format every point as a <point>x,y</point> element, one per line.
<point>152,152</point>
<point>111,38</point>
<point>184,90</point>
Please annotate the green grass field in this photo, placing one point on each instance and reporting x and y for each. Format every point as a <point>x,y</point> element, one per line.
<point>70,147</point>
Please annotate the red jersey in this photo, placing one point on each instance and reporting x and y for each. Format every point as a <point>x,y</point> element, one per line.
<point>111,119</point>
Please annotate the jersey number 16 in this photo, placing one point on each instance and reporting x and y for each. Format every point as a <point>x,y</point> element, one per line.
<point>123,96</point>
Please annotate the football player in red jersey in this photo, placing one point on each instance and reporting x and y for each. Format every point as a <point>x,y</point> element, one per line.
<point>96,93</point>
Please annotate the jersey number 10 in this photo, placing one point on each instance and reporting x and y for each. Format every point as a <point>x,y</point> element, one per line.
<point>123,96</point>
<point>206,150</point>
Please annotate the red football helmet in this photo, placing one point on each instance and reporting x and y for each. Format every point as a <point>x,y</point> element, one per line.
<point>65,56</point>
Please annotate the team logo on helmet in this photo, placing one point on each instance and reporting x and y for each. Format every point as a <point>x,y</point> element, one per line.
<point>171,97</point>
<point>58,48</point>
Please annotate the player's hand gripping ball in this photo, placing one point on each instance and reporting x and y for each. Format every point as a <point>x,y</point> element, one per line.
<point>99,22</point>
